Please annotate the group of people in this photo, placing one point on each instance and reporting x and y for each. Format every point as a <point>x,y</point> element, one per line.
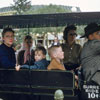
<point>36,59</point>
<point>67,56</point>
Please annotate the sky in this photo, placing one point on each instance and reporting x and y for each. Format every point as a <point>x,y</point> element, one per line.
<point>85,5</point>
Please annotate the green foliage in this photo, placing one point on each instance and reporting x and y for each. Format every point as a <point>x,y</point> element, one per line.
<point>80,29</point>
<point>47,9</point>
<point>20,34</point>
<point>21,6</point>
<point>45,30</point>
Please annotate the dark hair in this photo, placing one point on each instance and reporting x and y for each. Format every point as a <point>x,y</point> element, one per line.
<point>7,30</point>
<point>41,48</point>
<point>27,37</point>
<point>67,29</point>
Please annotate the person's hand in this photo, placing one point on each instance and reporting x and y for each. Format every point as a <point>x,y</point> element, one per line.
<point>76,81</point>
<point>17,67</point>
<point>76,77</point>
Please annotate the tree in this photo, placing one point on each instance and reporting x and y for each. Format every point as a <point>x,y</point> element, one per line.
<point>21,6</point>
<point>47,9</point>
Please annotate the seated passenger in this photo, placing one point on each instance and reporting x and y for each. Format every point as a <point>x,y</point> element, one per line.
<point>7,53</point>
<point>71,49</point>
<point>40,60</point>
<point>57,56</point>
<point>26,56</point>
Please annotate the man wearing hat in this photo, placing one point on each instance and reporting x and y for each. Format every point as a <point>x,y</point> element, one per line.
<point>90,55</point>
<point>90,62</point>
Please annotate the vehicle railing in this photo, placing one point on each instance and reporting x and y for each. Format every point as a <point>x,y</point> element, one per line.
<point>37,82</point>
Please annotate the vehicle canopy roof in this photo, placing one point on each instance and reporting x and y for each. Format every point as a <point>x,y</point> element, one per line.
<point>49,20</point>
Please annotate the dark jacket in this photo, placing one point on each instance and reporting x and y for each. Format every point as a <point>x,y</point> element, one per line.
<point>90,61</point>
<point>20,58</point>
<point>7,57</point>
<point>42,64</point>
<point>55,44</point>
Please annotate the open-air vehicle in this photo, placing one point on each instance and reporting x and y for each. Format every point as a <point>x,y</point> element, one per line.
<point>42,82</point>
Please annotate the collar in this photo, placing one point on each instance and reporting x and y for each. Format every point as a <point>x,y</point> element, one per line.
<point>67,44</point>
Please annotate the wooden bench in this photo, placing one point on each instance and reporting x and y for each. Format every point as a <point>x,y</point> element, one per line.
<point>36,82</point>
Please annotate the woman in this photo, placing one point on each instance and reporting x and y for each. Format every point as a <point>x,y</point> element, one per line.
<point>26,56</point>
<point>7,53</point>
<point>71,49</point>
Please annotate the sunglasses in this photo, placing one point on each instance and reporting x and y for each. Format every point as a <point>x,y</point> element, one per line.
<point>73,34</point>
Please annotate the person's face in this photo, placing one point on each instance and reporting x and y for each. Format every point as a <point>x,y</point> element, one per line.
<point>71,35</point>
<point>95,35</point>
<point>59,53</point>
<point>28,43</point>
<point>8,38</point>
<point>55,39</point>
<point>39,55</point>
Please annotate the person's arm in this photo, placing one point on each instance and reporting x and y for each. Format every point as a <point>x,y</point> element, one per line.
<point>80,49</point>
<point>37,65</point>
<point>19,58</point>
<point>22,66</point>
<point>5,61</point>
<point>25,66</point>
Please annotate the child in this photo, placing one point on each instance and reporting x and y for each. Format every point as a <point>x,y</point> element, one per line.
<point>57,55</point>
<point>40,60</point>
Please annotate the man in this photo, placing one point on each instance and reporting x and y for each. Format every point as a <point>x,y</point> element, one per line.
<point>90,55</point>
<point>70,48</point>
<point>56,41</point>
